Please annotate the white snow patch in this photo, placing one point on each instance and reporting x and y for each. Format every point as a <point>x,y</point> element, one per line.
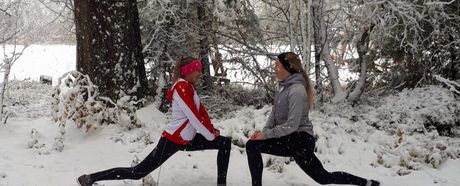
<point>51,60</point>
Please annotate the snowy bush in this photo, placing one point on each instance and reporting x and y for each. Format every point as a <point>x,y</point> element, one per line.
<point>36,142</point>
<point>227,99</point>
<point>409,152</point>
<point>76,99</point>
<point>419,110</point>
<point>410,129</point>
<point>34,137</point>
<point>243,124</point>
<point>218,106</point>
<point>242,96</point>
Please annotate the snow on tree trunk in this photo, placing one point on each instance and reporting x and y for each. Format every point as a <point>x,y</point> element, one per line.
<point>289,18</point>
<point>203,19</point>
<point>339,93</point>
<point>305,25</point>
<point>6,66</point>
<point>362,47</point>
<point>161,83</point>
<point>317,45</point>
<point>8,62</point>
<point>109,47</point>
<point>320,31</point>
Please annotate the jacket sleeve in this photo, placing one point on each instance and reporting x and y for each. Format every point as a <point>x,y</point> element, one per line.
<point>297,105</point>
<point>270,122</point>
<point>207,120</point>
<point>184,94</point>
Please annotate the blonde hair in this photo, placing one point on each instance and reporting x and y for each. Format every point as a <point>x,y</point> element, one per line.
<point>295,62</point>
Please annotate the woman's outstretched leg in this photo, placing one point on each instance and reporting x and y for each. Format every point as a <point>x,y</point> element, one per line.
<point>313,167</point>
<point>160,154</point>
<point>310,164</point>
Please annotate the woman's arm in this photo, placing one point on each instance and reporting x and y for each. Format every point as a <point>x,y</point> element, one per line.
<point>184,95</point>
<point>297,105</point>
<point>271,121</point>
<point>207,119</point>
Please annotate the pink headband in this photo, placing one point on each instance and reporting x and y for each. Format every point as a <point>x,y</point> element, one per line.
<point>194,66</point>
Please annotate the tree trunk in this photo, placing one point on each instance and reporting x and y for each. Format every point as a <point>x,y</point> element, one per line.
<point>8,62</point>
<point>453,60</point>
<point>320,32</point>
<point>289,19</point>
<point>363,47</point>
<point>317,42</point>
<point>6,76</point>
<point>204,31</point>
<point>109,47</point>
<point>306,34</point>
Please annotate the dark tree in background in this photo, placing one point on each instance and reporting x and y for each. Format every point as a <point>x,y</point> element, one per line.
<point>204,19</point>
<point>109,47</point>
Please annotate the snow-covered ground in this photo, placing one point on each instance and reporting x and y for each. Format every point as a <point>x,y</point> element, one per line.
<point>342,145</point>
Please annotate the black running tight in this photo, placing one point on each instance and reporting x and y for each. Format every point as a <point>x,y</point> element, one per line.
<point>164,150</point>
<point>300,146</point>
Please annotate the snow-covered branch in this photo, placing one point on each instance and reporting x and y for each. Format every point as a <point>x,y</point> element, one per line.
<point>453,86</point>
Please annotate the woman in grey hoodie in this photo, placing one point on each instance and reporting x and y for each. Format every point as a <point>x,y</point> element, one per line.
<point>289,132</point>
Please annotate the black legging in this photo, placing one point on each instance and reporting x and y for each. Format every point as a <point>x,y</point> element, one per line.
<point>300,146</point>
<point>166,149</point>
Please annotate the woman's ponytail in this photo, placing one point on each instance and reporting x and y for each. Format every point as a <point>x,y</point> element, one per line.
<point>294,60</point>
<point>309,88</point>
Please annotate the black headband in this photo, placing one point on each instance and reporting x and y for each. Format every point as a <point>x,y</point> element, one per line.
<point>286,64</point>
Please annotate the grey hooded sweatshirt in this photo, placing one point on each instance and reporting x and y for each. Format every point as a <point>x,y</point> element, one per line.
<point>290,109</point>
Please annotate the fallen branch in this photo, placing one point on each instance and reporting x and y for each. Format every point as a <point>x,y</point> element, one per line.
<point>451,84</point>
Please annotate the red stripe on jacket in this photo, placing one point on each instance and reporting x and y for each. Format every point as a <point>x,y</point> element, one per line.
<point>187,106</point>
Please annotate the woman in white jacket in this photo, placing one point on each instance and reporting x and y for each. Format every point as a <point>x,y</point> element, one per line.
<point>189,117</point>
<point>289,132</point>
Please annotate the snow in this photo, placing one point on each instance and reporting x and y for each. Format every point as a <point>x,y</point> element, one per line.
<point>55,60</point>
<point>50,60</point>
<point>378,139</point>
<point>27,158</point>
<point>451,84</point>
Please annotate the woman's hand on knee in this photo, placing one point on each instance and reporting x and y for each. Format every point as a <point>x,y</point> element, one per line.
<point>216,133</point>
<point>257,136</point>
